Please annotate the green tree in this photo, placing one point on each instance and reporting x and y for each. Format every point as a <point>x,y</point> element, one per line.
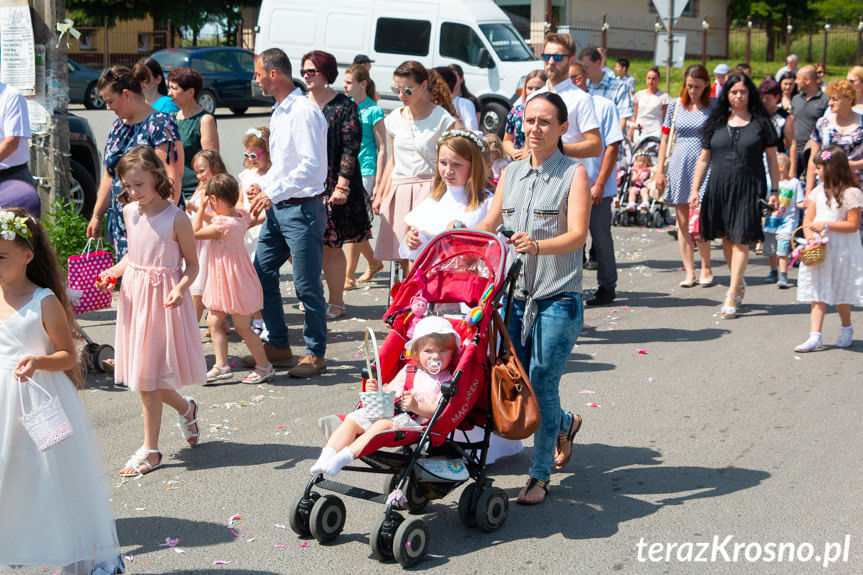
<point>772,15</point>
<point>838,10</point>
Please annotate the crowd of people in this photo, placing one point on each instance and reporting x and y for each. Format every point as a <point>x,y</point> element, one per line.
<point>190,238</point>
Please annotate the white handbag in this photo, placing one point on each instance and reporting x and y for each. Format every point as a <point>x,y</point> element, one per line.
<point>47,423</point>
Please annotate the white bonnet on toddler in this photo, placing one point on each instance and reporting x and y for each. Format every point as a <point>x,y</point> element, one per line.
<point>429,325</point>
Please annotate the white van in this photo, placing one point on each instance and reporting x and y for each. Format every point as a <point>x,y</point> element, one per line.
<point>475,34</point>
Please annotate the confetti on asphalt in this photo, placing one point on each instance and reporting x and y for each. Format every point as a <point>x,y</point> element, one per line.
<point>277,546</point>
<point>642,352</point>
<point>169,542</point>
<point>304,544</point>
<point>585,391</point>
<point>220,562</point>
<point>651,379</point>
<point>277,526</point>
<point>178,550</point>
<point>593,404</point>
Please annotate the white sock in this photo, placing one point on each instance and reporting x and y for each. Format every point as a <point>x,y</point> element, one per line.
<point>326,454</point>
<point>335,463</point>
<point>258,323</point>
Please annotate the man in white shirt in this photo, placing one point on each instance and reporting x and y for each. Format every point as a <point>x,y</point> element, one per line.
<point>17,188</point>
<point>790,66</point>
<point>602,192</point>
<point>582,139</point>
<point>291,193</point>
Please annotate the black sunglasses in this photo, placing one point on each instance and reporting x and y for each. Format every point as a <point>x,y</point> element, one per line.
<point>309,72</point>
<point>556,57</point>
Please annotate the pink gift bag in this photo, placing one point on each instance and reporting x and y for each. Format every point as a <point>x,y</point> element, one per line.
<point>81,279</point>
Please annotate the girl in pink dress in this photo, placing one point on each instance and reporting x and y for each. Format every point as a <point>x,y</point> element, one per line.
<point>232,283</point>
<point>206,163</point>
<point>158,348</point>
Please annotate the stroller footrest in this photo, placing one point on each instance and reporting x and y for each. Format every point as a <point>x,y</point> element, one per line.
<point>352,491</point>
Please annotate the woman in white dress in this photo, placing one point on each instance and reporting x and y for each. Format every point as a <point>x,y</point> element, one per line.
<point>650,106</point>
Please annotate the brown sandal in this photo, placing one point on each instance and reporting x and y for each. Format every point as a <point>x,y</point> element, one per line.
<point>563,450</point>
<point>531,483</point>
<point>370,273</point>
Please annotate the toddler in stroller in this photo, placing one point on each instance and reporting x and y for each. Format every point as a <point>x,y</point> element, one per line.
<point>427,456</point>
<point>432,350</point>
<point>642,177</point>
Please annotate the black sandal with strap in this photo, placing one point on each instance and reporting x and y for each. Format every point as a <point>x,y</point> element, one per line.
<point>531,483</point>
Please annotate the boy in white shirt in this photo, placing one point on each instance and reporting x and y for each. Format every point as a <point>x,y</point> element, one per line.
<point>779,226</point>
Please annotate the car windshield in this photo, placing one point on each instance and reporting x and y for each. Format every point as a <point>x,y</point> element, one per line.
<point>170,59</point>
<point>507,43</point>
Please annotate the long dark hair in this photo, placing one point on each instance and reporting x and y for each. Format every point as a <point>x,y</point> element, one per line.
<point>45,273</point>
<point>157,73</point>
<point>560,107</point>
<point>465,93</point>
<point>721,111</point>
<point>837,173</point>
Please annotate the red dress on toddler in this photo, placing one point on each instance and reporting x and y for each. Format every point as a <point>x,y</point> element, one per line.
<point>232,283</point>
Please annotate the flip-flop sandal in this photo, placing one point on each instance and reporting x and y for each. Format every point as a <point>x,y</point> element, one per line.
<point>564,443</point>
<point>138,459</point>
<point>184,425</point>
<point>369,274</point>
<point>531,483</point>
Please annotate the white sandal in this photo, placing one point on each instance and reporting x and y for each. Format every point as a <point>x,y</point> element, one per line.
<point>218,373</point>
<point>260,374</point>
<point>140,458</point>
<point>192,438</point>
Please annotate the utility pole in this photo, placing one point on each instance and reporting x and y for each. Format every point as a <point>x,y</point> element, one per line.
<point>49,157</point>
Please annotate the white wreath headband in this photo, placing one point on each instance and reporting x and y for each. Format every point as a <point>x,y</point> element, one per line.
<point>472,136</point>
<point>255,132</point>
<point>12,226</point>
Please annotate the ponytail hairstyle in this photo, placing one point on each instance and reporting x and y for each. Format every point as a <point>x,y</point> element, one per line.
<point>44,271</point>
<point>361,75</point>
<point>256,138</point>
<point>465,93</point>
<point>836,171</point>
<point>213,159</point>
<point>560,108</point>
<point>470,147</point>
<point>145,158</point>
<point>119,78</point>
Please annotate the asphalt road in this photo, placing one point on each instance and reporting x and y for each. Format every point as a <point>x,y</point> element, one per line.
<point>717,429</point>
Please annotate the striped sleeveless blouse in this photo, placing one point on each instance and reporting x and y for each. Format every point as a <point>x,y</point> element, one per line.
<point>535,200</point>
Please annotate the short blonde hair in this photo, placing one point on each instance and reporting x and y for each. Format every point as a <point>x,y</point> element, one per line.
<point>841,88</point>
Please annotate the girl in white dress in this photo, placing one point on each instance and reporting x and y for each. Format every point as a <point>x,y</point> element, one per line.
<point>54,503</point>
<point>833,211</point>
<point>458,197</point>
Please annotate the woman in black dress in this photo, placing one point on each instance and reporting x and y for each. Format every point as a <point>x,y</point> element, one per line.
<point>736,135</point>
<point>347,218</point>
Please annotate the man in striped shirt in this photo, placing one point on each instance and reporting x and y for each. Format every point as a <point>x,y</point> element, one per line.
<point>599,84</point>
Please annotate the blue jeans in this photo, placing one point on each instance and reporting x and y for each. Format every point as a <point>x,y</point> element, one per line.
<point>295,231</point>
<point>549,344</point>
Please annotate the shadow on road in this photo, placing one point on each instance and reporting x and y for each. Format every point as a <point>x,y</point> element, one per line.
<point>648,335</point>
<point>147,532</point>
<point>215,454</point>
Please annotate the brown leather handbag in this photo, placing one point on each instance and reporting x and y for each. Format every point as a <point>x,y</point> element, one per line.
<point>514,408</point>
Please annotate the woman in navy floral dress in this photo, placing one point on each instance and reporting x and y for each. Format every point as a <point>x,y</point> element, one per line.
<point>347,217</point>
<point>137,124</point>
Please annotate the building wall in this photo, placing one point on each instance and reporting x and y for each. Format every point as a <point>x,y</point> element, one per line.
<point>631,24</point>
<point>122,38</point>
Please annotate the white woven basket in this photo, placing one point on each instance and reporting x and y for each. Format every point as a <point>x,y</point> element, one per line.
<point>378,404</point>
<point>47,423</point>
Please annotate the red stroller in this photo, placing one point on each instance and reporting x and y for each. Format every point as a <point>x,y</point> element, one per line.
<point>457,267</point>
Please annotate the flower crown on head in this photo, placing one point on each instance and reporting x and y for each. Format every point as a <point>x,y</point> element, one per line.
<point>255,132</point>
<point>472,136</point>
<point>12,226</point>
<point>826,155</point>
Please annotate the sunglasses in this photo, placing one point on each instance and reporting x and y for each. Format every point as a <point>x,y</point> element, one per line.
<point>309,72</point>
<point>252,156</point>
<point>405,91</point>
<point>556,57</point>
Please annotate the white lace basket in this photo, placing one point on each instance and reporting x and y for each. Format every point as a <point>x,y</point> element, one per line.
<point>379,404</point>
<point>46,423</point>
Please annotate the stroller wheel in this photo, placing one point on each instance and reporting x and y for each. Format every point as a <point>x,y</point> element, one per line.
<point>300,511</point>
<point>658,219</point>
<point>327,518</point>
<point>615,219</point>
<point>416,498</point>
<point>381,537</point>
<point>491,509</point>
<point>411,542</point>
<point>467,506</point>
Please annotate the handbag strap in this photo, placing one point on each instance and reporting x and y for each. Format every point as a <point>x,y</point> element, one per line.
<point>672,138</point>
<point>30,381</point>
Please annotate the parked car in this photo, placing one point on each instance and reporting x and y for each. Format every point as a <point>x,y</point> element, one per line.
<point>82,86</point>
<point>85,165</point>
<point>227,72</point>
<point>476,34</point>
